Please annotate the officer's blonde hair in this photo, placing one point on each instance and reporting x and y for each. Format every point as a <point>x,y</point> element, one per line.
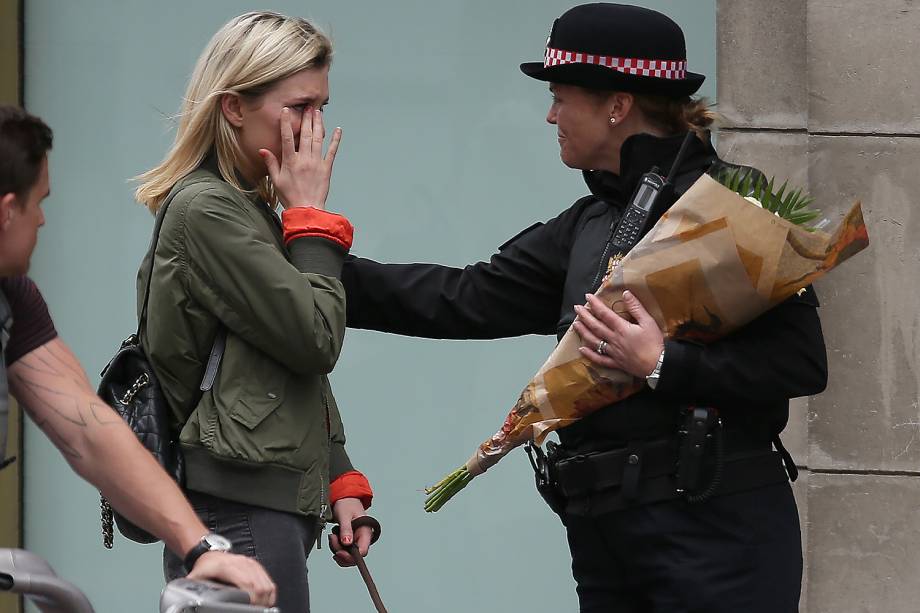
<point>246,57</point>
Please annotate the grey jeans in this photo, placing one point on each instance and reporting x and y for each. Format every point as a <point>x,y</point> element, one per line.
<point>280,542</point>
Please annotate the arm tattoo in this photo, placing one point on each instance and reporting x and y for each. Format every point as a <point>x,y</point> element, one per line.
<point>57,404</point>
<point>60,441</point>
<point>103,414</point>
<point>44,424</point>
<point>57,396</point>
<point>46,365</point>
<point>70,364</point>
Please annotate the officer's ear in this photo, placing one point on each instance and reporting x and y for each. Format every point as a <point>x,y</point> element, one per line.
<point>8,203</point>
<point>619,104</point>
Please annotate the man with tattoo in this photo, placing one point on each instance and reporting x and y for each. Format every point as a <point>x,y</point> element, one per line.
<point>42,373</point>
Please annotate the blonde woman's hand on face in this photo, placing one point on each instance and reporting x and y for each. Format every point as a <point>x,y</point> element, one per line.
<point>302,176</point>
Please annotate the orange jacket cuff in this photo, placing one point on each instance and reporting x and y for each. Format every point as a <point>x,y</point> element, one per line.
<point>351,485</point>
<point>310,221</point>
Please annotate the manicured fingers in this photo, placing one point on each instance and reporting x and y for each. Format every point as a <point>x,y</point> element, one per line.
<point>287,135</point>
<point>588,338</point>
<point>594,357</point>
<point>333,146</point>
<point>301,176</point>
<point>306,131</point>
<point>319,134</point>
<point>343,559</point>
<point>589,348</point>
<point>605,315</point>
<point>340,555</point>
<point>635,308</point>
<point>345,535</point>
<point>271,163</point>
<point>631,347</point>
<point>363,538</point>
<point>590,341</point>
<point>597,328</point>
<point>591,331</point>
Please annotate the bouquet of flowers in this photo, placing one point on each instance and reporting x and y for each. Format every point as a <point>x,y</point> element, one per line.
<point>711,264</point>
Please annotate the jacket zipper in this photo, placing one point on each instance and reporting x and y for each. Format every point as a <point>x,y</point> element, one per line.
<point>321,521</point>
<point>602,266</point>
<point>321,524</point>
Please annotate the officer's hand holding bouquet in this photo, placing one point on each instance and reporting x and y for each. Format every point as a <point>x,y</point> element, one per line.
<point>615,342</point>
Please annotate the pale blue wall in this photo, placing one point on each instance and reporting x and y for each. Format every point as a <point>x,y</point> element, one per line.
<point>446,154</point>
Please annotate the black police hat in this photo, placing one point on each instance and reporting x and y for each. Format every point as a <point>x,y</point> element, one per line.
<point>617,47</point>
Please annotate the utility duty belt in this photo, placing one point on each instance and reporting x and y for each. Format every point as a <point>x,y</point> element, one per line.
<point>700,462</point>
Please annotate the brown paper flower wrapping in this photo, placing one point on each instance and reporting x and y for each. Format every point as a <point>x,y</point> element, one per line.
<point>710,265</point>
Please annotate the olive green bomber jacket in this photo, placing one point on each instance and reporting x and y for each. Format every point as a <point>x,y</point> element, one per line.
<point>268,433</point>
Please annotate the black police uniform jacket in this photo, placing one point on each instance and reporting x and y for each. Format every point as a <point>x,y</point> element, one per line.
<point>532,284</point>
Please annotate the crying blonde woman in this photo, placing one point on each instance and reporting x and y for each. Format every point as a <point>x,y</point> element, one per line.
<point>264,447</point>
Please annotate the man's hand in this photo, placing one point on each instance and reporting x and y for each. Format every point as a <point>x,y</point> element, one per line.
<point>631,347</point>
<point>245,573</point>
<point>345,511</point>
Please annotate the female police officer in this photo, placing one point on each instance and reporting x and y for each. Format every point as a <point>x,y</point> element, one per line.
<point>716,533</point>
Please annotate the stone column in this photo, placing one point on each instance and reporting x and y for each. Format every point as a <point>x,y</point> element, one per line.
<point>826,93</point>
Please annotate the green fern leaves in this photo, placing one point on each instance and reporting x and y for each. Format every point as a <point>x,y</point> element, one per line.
<point>791,205</point>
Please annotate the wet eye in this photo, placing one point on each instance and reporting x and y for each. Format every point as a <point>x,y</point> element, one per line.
<point>300,108</point>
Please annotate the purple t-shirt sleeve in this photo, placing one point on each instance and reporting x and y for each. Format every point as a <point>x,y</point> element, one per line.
<point>32,325</point>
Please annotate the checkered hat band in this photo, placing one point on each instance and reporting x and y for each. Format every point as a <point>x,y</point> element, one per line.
<point>663,69</point>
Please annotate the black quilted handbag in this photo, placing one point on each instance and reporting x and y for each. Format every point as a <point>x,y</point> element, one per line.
<point>129,385</point>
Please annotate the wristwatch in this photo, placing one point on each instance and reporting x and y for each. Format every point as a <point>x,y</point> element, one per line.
<point>209,542</point>
<point>652,379</point>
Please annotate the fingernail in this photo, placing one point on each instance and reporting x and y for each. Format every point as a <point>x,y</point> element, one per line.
<point>588,296</point>
<point>627,294</point>
<point>346,540</point>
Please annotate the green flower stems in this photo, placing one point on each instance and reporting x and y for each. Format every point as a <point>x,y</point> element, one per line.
<point>445,489</point>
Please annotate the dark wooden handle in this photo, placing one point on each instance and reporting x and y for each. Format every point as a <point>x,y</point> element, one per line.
<point>365,521</point>
<point>368,522</point>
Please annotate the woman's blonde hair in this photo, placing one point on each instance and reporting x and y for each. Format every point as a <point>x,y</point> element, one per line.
<point>246,57</point>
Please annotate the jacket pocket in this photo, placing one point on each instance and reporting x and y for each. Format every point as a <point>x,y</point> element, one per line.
<point>258,400</point>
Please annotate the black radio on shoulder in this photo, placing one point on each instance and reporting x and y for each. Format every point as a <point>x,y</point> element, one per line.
<point>638,216</point>
<point>649,201</point>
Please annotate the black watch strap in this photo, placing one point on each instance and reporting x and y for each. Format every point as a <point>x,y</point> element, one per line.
<point>194,553</point>
<point>209,542</point>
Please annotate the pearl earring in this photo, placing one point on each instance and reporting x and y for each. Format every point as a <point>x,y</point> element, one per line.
<point>613,120</point>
